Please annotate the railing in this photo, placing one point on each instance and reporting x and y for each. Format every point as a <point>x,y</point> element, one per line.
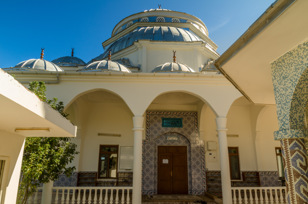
<point>259,195</point>
<point>36,197</point>
<point>87,195</point>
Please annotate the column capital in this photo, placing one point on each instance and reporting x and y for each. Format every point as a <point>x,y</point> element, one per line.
<point>221,122</point>
<point>138,122</point>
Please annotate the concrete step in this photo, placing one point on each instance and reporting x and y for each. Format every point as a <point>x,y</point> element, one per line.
<point>177,199</point>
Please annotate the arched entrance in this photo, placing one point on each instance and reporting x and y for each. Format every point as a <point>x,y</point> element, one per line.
<point>172,129</point>
<point>173,159</point>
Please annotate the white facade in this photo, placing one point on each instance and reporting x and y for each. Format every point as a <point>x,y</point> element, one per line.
<point>114,108</point>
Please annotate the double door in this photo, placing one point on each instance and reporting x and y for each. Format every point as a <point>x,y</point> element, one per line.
<point>172,170</point>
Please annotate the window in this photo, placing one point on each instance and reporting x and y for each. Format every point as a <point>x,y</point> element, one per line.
<point>129,23</point>
<point>144,19</point>
<point>234,161</point>
<point>2,164</point>
<point>175,20</point>
<point>108,161</point>
<point>279,162</point>
<point>160,19</point>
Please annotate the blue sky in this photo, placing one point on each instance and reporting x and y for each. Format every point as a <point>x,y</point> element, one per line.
<point>26,26</point>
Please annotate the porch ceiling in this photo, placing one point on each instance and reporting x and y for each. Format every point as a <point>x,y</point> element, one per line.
<point>247,63</point>
<point>23,113</point>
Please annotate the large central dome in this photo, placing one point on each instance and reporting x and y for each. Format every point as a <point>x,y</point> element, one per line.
<point>154,33</point>
<point>155,25</point>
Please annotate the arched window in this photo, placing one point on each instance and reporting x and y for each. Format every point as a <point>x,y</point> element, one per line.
<point>160,19</point>
<point>144,19</point>
<point>129,23</point>
<point>175,20</point>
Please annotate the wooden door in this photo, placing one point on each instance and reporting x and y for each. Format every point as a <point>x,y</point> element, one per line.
<point>172,170</point>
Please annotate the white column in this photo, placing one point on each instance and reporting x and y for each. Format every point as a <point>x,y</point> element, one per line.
<point>137,173</point>
<point>47,192</point>
<point>224,159</point>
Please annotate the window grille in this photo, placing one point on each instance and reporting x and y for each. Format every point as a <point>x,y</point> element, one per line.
<point>144,19</point>
<point>129,24</point>
<point>160,19</point>
<point>175,20</point>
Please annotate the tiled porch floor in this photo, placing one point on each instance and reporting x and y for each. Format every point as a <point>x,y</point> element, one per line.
<point>177,199</point>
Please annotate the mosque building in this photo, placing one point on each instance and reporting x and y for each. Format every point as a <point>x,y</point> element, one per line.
<point>153,112</point>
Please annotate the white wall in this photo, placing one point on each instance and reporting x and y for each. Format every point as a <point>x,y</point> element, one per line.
<point>187,55</point>
<point>208,133</point>
<point>256,148</point>
<point>112,118</point>
<point>239,124</point>
<point>267,123</point>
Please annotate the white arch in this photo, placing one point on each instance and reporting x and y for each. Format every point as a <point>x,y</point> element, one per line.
<point>91,91</point>
<point>138,96</point>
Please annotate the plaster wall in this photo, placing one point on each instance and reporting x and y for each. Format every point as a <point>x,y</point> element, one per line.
<point>208,133</point>
<point>171,107</point>
<point>256,149</point>
<point>11,148</point>
<point>106,118</point>
<point>148,54</point>
<point>187,55</point>
<point>265,144</point>
<point>134,57</point>
<point>239,135</point>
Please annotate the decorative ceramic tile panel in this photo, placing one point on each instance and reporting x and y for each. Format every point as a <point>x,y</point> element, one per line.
<point>269,178</point>
<point>296,170</point>
<point>290,80</point>
<point>63,180</point>
<point>187,135</point>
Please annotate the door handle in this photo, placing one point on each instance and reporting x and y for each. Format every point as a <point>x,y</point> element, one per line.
<point>171,173</point>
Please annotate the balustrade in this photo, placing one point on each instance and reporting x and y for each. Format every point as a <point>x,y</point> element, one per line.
<point>86,195</point>
<point>258,195</point>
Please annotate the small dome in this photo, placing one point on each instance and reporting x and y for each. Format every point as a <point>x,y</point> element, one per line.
<point>172,67</point>
<point>36,64</point>
<point>105,65</point>
<point>69,61</point>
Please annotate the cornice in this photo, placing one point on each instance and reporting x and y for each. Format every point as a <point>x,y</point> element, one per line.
<point>114,77</point>
<point>146,24</point>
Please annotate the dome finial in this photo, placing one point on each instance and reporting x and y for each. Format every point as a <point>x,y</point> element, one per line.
<point>42,53</point>
<point>174,57</point>
<point>159,6</point>
<point>109,55</point>
<point>72,52</point>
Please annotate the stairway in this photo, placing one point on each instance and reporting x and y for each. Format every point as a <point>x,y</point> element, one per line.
<point>177,199</point>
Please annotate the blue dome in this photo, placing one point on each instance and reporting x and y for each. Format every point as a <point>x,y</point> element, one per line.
<point>69,61</point>
<point>34,65</point>
<point>156,33</point>
<point>105,65</point>
<point>172,67</point>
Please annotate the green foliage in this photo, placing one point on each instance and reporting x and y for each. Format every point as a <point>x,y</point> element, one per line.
<point>39,88</point>
<point>45,159</point>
